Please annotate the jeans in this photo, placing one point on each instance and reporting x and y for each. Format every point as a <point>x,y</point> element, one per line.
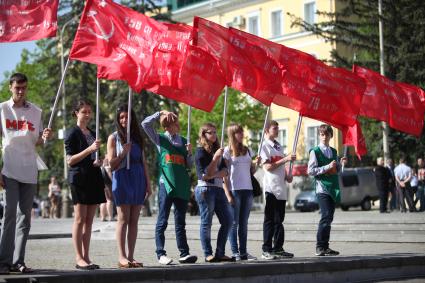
<point>274,214</point>
<point>327,210</point>
<point>213,200</point>
<point>16,221</point>
<point>420,196</point>
<point>241,209</point>
<point>180,208</point>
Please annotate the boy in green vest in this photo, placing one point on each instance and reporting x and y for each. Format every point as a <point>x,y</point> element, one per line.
<point>174,160</point>
<point>324,167</point>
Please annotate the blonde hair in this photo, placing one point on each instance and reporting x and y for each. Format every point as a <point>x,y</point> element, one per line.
<point>236,148</point>
<point>202,140</point>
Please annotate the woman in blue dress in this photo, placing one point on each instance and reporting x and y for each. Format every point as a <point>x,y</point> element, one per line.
<point>130,187</point>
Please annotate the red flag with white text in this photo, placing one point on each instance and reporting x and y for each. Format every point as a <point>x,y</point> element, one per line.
<point>228,48</point>
<point>109,32</point>
<point>24,20</point>
<point>399,104</point>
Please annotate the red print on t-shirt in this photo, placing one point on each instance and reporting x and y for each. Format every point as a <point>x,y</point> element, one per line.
<point>19,125</point>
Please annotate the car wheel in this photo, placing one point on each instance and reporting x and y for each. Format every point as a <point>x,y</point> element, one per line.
<point>366,205</point>
<point>345,207</point>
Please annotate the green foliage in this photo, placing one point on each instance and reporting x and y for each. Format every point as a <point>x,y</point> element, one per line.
<point>354,30</point>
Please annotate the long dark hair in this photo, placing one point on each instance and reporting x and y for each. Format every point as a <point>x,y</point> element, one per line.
<point>202,140</point>
<point>135,134</point>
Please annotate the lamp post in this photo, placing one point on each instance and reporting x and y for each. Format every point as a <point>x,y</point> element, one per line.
<point>65,206</point>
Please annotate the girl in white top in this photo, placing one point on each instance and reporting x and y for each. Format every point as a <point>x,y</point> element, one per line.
<point>238,158</point>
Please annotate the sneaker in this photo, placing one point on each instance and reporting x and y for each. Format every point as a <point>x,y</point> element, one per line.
<point>283,254</point>
<point>165,260</point>
<point>188,259</point>
<point>320,251</point>
<point>248,257</point>
<point>268,256</point>
<point>330,252</point>
<point>237,257</point>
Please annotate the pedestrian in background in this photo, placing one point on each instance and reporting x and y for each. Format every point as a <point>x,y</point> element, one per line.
<point>403,174</point>
<point>383,179</point>
<point>420,194</point>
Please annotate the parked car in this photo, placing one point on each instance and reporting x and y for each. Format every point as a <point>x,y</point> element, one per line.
<point>306,201</point>
<point>358,188</point>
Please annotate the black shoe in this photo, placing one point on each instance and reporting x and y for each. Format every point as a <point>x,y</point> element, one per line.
<point>188,259</point>
<point>330,252</point>
<point>87,267</point>
<point>283,254</point>
<point>320,251</point>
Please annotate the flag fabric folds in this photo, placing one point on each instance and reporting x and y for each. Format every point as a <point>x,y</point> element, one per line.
<point>399,104</point>
<point>27,20</point>
<point>110,34</point>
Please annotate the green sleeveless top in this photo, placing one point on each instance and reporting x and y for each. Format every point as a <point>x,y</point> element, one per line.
<point>329,181</point>
<point>172,168</point>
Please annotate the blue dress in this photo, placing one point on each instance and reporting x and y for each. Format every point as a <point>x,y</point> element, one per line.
<point>129,186</point>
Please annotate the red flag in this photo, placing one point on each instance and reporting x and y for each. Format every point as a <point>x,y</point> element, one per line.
<point>399,104</point>
<point>351,135</point>
<point>235,56</point>
<point>200,81</point>
<point>27,20</point>
<point>108,32</point>
<point>169,56</point>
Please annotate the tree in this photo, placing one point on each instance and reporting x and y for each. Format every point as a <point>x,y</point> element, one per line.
<point>354,30</point>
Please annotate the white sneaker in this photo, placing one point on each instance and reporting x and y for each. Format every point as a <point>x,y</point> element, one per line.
<point>188,259</point>
<point>237,257</point>
<point>165,260</point>
<point>268,256</point>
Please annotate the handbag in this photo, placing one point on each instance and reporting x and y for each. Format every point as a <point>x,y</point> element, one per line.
<point>256,188</point>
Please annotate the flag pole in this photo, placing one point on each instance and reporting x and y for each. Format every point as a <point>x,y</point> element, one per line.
<point>223,125</point>
<point>189,116</point>
<point>130,93</point>
<point>345,156</point>
<point>261,144</point>
<point>97,117</point>
<point>49,125</point>
<point>294,146</point>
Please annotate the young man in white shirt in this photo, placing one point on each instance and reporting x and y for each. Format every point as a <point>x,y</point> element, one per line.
<point>274,183</point>
<point>21,130</point>
<point>403,175</point>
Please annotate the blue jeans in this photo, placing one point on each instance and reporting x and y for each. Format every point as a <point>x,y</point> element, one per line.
<point>210,200</point>
<point>420,196</point>
<point>241,209</point>
<point>327,210</point>
<point>180,207</point>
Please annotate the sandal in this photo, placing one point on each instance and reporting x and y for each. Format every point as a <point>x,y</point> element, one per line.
<point>210,259</point>
<point>125,266</point>
<point>21,268</point>
<point>136,264</point>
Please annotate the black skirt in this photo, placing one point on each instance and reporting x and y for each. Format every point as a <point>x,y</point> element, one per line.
<point>89,190</point>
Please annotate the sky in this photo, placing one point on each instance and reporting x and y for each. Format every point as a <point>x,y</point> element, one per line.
<point>10,55</point>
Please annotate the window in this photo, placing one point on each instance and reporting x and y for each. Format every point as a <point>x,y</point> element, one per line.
<point>283,139</point>
<point>254,24</point>
<point>276,18</point>
<point>312,137</point>
<point>309,12</point>
<point>350,180</point>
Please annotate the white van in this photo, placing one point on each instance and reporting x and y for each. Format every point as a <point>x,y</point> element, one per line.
<point>358,188</point>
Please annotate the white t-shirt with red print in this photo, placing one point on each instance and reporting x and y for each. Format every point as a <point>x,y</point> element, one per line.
<point>20,129</point>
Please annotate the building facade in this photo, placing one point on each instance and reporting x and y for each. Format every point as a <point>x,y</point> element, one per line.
<point>271,19</point>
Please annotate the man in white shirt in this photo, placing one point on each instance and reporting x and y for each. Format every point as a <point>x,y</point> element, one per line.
<point>273,161</point>
<point>21,131</point>
<point>403,174</point>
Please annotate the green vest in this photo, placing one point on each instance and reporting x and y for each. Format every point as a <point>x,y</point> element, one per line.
<point>329,181</point>
<point>172,168</point>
